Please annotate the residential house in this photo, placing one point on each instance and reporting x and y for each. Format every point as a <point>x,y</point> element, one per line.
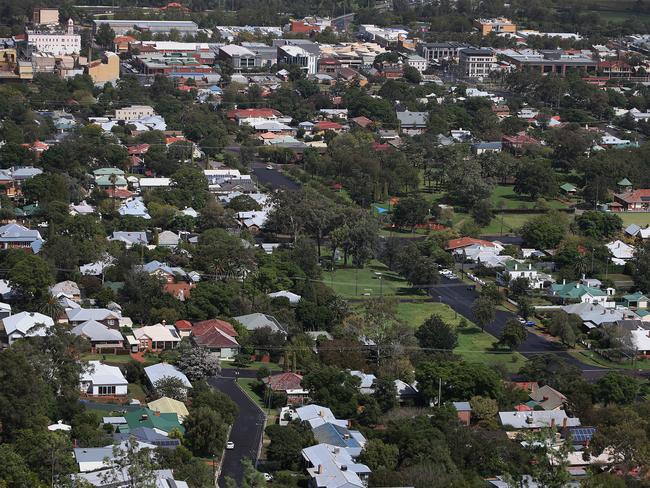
<point>579,292</point>
<point>463,411</point>
<point>412,123</point>
<point>639,232</point>
<point>24,324</point>
<point>82,208</point>
<point>168,239</point>
<point>169,274</point>
<point>316,415</point>
<point>164,478</point>
<point>68,289</point>
<point>332,467</point>
<point>330,434</point>
<point>169,405</point>
<point>102,339</point>
<point>184,328</point>
<point>463,242</point>
<point>620,251</point>
<point>518,143</point>
<point>632,201</point>
<point>157,372</point>
<point>99,379</point>
<point>218,336</point>
<point>134,208</point>
<point>538,419</point>
<point>547,398</point>
<point>367,381</point>
<point>162,423</point>
<point>635,300</point>
<point>487,147</point>
<point>96,458</point>
<point>158,337</point>
<point>292,297</point>
<point>147,435</point>
<point>516,269</point>
<point>290,384</point>
<point>107,317</point>
<point>130,238</point>
<point>18,236</point>
<point>594,315</point>
<point>256,321</point>
<point>568,189</point>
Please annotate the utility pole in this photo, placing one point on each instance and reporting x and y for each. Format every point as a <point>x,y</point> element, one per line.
<point>439,391</point>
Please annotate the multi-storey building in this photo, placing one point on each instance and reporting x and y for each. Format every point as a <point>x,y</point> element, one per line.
<point>476,63</point>
<point>56,43</point>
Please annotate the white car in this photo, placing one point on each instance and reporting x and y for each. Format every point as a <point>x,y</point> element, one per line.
<point>269,166</point>
<point>267,476</point>
<point>230,445</point>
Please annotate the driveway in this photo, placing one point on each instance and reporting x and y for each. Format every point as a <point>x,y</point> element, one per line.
<point>272,178</point>
<point>246,432</point>
<point>457,296</point>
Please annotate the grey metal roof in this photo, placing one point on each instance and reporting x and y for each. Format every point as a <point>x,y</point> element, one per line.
<point>162,370</point>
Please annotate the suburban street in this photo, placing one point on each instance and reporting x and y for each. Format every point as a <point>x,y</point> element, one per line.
<point>246,432</point>
<point>272,178</point>
<point>457,295</point>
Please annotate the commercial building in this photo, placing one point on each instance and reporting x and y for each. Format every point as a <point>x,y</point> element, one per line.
<point>250,56</point>
<point>476,63</point>
<point>134,112</point>
<point>121,27</point>
<point>45,16</point>
<point>106,69</point>
<point>297,55</point>
<point>499,25</point>
<point>56,43</point>
<point>436,51</point>
<point>554,61</point>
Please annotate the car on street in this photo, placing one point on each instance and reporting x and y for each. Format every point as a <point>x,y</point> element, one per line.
<point>230,445</point>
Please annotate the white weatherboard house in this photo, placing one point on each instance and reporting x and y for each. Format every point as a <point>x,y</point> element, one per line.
<point>103,380</point>
<point>25,324</point>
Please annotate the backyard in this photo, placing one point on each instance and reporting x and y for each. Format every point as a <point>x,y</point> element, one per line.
<point>474,345</point>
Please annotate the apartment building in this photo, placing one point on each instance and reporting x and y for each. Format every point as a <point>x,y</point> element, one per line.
<point>56,43</point>
<point>134,112</point>
<point>436,51</point>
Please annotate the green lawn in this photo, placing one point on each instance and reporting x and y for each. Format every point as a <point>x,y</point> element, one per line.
<point>367,282</point>
<point>246,384</point>
<point>473,344</point>
<point>136,391</point>
<point>255,365</point>
<point>511,222</point>
<point>595,359</point>
<point>504,195</point>
<point>107,358</point>
<point>634,218</point>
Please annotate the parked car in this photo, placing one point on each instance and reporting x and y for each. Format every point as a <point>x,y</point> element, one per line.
<point>230,445</point>
<point>267,476</point>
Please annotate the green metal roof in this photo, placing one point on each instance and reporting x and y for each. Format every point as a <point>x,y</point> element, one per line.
<point>108,171</point>
<point>624,182</point>
<point>145,417</point>
<point>575,290</point>
<point>568,187</point>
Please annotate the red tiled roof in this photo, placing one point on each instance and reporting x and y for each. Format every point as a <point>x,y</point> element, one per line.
<point>172,140</point>
<point>284,381</point>
<point>634,196</point>
<point>204,326</point>
<point>327,125</point>
<point>520,139</point>
<point>243,113</point>
<point>215,338</point>
<point>380,147</point>
<point>183,325</point>
<point>178,290</point>
<point>119,193</point>
<point>522,408</point>
<point>465,242</point>
<point>362,121</point>
<point>119,39</point>
<point>138,149</point>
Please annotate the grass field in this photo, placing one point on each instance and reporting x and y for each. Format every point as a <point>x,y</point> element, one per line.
<point>473,344</point>
<point>136,391</point>
<point>504,196</point>
<point>107,358</point>
<point>641,219</point>
<point>255,365</point>
<point>352,282</point>
<point>246,384</point>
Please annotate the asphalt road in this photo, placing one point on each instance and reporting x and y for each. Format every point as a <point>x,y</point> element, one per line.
<point>246,432</point>
<point>460,298</point>
<point>272,178</point>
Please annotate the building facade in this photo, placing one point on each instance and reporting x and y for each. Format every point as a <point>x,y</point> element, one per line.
<point>56,43</point>
<point>476,63</point>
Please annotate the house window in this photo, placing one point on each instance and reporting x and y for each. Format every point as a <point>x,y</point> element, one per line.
<point>106,390</point>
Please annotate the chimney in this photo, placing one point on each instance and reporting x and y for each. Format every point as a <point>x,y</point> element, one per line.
<point>320,469</point>
<point>564,281</point>
<point>516,265</point>
<point>564,422</point>
<point>530,265</point>
<point>552,422</point>
<point>157,413</point>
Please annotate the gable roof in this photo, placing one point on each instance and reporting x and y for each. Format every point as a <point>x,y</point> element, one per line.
<point>99,373</point>
<point>548,398</point>
<point>200,328</point>
<point>25,322</point>
<point>86,314</point>
<point>575,290</point>
<point>254,321</point>
<point>284,381</point>
<point>465,242</point>
<point>96,331</point>
<point>145,417</point>
<point>157,333</point>
<point>169,405</point>
<point>159,371</point>
<point>215,339</point>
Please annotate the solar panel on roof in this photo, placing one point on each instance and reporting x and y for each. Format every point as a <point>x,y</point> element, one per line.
<point>582,434</point>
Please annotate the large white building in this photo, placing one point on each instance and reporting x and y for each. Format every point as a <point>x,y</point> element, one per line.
<point>134,112</point>
<point>299,56</point>
<point>56,43</point>
<point>476,63</point>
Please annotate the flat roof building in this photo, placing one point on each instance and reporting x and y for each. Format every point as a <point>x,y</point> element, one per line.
<point>121,27</point>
